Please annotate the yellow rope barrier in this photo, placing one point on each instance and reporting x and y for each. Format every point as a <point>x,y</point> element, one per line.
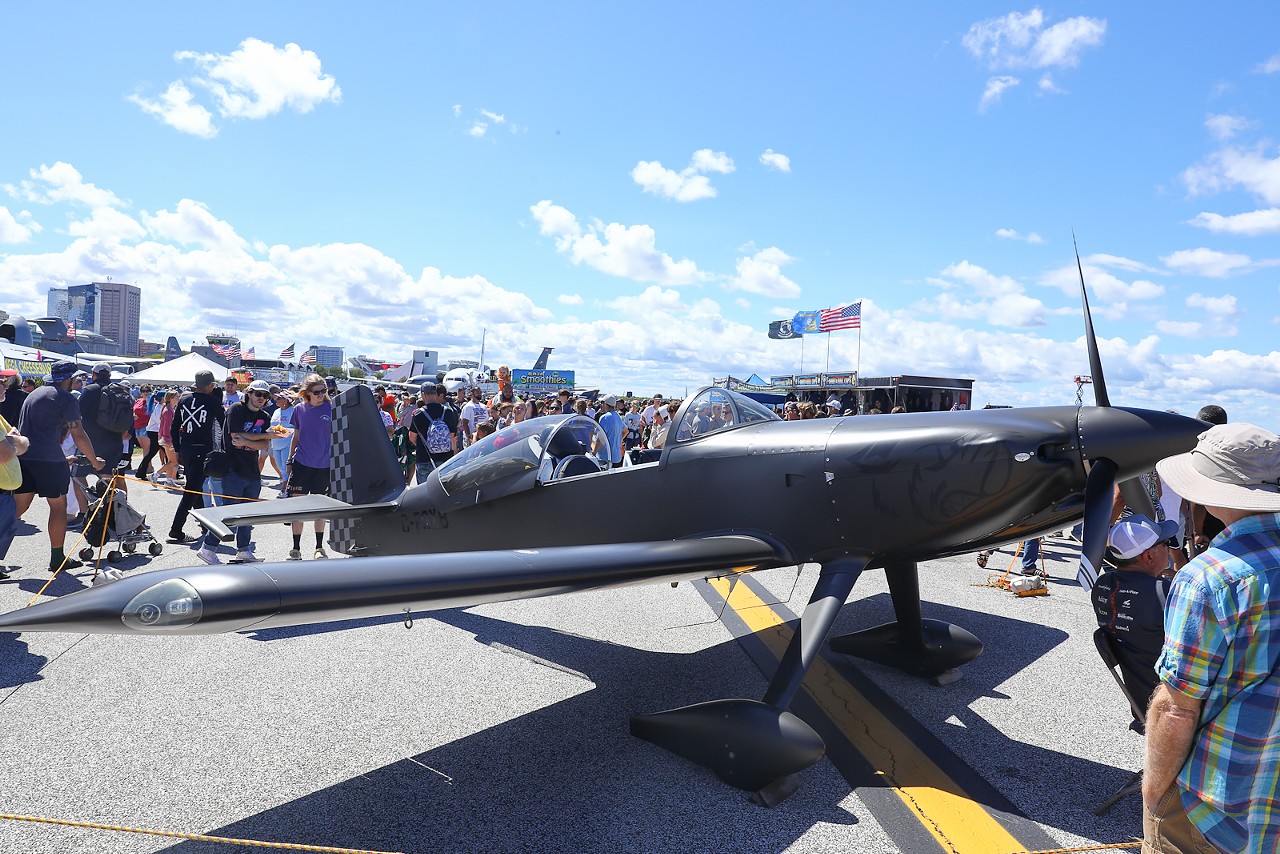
<point>1113,846</point>
<point>196,837</point>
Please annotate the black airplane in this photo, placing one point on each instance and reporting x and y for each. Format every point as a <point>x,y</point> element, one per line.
<point>532,511</point>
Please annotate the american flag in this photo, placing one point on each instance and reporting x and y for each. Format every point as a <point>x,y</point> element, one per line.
<point>71,330</point>
<point>845,317</point>
<point>248,354</point>
<point>226,351</point>
<point>308,358</point>
<point>286,355</point>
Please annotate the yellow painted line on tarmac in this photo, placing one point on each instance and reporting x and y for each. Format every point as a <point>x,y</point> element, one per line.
<point>958,823</point>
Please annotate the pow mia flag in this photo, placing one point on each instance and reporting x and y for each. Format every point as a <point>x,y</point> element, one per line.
<point>783,329</point>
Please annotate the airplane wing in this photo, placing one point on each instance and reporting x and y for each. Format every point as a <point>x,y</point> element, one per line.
<point>237,597</point>
<point>303,508</point>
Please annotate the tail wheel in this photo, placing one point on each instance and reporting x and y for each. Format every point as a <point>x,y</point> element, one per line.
<point>155,549</point>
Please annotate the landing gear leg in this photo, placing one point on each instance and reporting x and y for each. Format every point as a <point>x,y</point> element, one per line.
<point>753,745</point>
<point>918,646</point>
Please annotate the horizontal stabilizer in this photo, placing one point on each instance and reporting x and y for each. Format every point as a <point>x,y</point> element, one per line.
<point>304,508</point>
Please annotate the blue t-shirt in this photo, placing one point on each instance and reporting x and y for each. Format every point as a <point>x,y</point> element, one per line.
<point>612,425</point>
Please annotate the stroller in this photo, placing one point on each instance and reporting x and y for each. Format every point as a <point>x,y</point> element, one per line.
<point>110,518</point>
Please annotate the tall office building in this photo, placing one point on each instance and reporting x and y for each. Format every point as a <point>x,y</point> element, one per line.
<point>110,309</point>
<point>327,357</point>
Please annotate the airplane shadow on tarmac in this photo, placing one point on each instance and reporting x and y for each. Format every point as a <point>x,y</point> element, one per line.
<point>570,776</point>
<point>1050,787</point>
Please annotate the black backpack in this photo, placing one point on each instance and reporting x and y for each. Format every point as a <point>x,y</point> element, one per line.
<point>115,408</point>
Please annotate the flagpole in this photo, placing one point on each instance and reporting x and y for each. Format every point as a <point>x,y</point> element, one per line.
<point>828,353</point>
<point>801,371</point>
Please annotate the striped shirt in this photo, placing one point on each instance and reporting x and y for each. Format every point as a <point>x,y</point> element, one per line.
<point>1222,647</point>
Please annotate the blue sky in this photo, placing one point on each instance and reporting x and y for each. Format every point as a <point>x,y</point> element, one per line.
<point>645,188</point>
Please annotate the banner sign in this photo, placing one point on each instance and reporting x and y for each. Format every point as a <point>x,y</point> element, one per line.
<point>840,379</point>
<point>808,380</point>
<point>525,380</point>
<point>29,367</point>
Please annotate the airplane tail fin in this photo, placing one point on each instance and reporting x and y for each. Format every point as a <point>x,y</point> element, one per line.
<point>541,364</point>
<point>363,468</point>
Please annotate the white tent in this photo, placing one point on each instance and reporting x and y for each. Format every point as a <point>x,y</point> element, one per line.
<point>180,371</point>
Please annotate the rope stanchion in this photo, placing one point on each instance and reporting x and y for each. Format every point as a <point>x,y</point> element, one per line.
<point>195,837</point>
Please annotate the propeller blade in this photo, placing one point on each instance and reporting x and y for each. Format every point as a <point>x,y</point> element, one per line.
<point>1098,491</point>
<point>1136,497</point>
<point>1091,341</point>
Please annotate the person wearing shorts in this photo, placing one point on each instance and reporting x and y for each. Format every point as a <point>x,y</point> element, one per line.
<point>47,414</point>
<point>308,469</point>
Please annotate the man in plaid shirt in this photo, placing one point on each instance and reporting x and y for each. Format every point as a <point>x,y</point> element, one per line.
<point>1212,776</point>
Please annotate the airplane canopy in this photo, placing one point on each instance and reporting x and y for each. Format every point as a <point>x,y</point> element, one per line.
<point>539,448</point>
<point>715,409</point>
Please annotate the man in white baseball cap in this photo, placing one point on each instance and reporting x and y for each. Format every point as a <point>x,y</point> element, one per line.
<point>1129,600</point>
<point>1213,758</point>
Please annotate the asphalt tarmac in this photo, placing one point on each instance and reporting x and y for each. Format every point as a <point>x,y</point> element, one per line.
<point>505,727</point>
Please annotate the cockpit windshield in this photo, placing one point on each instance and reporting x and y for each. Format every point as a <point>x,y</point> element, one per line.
<point>715,409</point>
<point>511,450</point>
<point>556,447</point>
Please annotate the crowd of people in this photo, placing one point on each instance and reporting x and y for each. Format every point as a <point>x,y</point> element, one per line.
<point>1189,599</point>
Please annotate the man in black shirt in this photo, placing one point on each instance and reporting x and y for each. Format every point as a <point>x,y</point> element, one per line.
<point>244,437</point>
<point>196,416</point>
<point>1129,600</point>
<point>433,448</point>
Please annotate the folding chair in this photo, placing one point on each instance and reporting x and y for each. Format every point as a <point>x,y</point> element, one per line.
<point>1110,657</point>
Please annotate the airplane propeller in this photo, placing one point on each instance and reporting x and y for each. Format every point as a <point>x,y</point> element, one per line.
<point>1099,487</point>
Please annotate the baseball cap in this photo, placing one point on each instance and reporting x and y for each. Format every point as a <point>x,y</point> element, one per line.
<point>8,372</point>
<point>260,385</point>
<point>609,400</point>
<point>1133,535</point>
<point>102,369</point>
<point>203,378</point>
<point>62,371</point>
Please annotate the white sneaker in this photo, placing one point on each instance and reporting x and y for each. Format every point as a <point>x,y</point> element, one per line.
<point>319,555</point>
<point>294,554</point>
<point>244,556</point>
<point>208,555</point>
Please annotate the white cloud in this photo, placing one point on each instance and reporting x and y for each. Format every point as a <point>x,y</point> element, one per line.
<point>255,81</point>
<point>478,129</point>
<point>1248,224</point>
<point>1062,44</point>
<point>59,183</point>
<point>762,274</point>
<point>13,231</point>
<point>1218,317</point>
<point>986,283</point>
<point>1224,126</point>
<point>1110,296</point>
<point>496,118</point>
<point>689,184</point>
<point>1271,66</point>
<point>569,299</point>
<point>996,87</point>
<point>107,224</point>
<point>1020,40</point>
<point>1012,234</point>
<point>619,250</point>
<point>1231,167</point>
<point>193,224</point>
<point>774,160</point>
<point>1207,262</point>
<point>1048,87</point>
<point>177,109</point>
<point>457,110</point>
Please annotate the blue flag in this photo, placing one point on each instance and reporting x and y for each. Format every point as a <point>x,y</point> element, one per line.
<point>806,322</point>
